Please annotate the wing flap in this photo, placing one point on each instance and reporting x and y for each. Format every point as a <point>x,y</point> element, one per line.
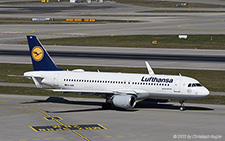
<point>116,92</point>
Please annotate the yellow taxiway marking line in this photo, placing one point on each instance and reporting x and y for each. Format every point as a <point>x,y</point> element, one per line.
<point>46,114</point>
<point>61,123</point>
<point>108,136</point>
<point>102,127</point>
<point>144,135</point>
<point>53,118</point>
<point>31,30</point>
<point>33,129</point>
<point>71,137</point>
<point>39,111</point>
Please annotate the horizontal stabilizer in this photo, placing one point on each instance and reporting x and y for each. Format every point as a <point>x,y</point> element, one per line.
<point>16,75</point>
<point>38,85</point>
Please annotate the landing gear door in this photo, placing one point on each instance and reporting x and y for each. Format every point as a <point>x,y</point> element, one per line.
<point>177,86</point>
<point>55,80</point>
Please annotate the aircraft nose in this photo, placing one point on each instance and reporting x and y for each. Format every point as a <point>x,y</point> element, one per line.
<point>205,92</point>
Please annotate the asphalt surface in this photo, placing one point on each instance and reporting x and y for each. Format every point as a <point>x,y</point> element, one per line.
<point>152,23</point>
<point>21,114</point>
<point>121,57</point>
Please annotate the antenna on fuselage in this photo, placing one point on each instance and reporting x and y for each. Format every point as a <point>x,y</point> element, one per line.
<point>150,71</point>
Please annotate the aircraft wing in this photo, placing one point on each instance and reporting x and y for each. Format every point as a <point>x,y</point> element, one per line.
<point>81,91</point>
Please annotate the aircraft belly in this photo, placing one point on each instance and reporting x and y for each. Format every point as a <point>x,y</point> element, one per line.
<point>143,95</point>
<point>169,96</point>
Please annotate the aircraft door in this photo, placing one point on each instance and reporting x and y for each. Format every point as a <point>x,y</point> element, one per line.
<point>55,80</point>
<point>177,86</point>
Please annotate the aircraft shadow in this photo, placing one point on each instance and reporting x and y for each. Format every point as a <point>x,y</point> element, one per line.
<point>80,110</point>
<point>155,105</point>
<point>139,105</point>
<point>65,101</point>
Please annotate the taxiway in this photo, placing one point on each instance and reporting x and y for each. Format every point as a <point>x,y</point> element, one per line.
<point>147,121</point>
<point>121,57</point>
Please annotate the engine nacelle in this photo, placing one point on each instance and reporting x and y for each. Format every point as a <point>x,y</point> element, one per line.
<point>124,101</point>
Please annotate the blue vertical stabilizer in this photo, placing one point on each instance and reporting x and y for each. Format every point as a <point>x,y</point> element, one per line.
<point>41,60</point>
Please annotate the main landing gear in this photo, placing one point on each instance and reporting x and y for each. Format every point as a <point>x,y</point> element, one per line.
<point>182,108</point>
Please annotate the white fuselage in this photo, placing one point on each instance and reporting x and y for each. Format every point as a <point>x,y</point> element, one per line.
<point>142,85</point>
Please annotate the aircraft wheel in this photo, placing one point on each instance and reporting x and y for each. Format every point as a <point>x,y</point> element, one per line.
<point>182,108</point>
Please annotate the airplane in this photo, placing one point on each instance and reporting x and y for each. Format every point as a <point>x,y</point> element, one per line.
<point>121,90</point>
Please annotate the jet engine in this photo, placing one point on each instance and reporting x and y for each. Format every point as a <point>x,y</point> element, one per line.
<point>124,101</point>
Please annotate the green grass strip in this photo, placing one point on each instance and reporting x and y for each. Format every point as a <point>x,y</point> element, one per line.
<point>168,4</point>
<point>143,41</point>
<point>37,92</point>
<point>181,11</point>
<point>212,99</point>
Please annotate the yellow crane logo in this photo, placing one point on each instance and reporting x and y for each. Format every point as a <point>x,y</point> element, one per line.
<point>37,53</point>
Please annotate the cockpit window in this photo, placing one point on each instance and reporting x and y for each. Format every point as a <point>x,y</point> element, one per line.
<point>194,85</point>
<point>198,85</point>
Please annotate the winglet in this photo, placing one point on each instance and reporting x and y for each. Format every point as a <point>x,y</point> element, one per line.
<point>150,71</point>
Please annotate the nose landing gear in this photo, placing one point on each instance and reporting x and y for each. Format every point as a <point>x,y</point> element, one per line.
<point>182,108</point>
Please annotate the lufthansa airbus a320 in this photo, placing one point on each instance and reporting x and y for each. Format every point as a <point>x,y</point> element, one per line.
<point>119,89</point>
